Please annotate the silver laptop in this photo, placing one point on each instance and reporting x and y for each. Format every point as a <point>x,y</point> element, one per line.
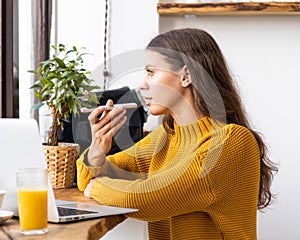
<point>21,147</point>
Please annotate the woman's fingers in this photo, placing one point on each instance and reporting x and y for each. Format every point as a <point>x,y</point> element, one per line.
<point>88,188</point>
<point>99,112</point>
<point>111,128</point>
<point>111,122</point>
<point>93,117</point>
<point>105,123</point>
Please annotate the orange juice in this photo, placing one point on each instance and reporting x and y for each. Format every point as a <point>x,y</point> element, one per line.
<point>33,208</point>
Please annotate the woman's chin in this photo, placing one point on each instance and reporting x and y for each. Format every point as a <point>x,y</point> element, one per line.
<point>156,109</point>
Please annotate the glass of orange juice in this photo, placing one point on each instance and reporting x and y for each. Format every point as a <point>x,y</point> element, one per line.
<point>32,200</point>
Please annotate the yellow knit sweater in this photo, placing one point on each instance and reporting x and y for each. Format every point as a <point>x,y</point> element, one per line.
<point>200,183</point>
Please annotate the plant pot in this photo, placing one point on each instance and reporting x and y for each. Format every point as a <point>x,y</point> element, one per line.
<point>61,162</point>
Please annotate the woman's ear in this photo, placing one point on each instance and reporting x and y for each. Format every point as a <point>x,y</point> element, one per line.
<point>185,77</point>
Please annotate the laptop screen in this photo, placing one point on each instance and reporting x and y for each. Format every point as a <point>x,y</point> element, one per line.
<point>20,147</point>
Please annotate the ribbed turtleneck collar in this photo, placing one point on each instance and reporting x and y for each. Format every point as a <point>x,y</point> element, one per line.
<point>190,134</point>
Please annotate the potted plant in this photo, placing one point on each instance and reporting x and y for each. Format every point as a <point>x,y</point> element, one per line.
<point>64,86</point>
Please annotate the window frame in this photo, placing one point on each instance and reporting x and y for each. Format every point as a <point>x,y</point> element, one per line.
<point>9,92</point>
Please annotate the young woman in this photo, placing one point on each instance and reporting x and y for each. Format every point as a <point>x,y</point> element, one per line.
<point>202,174</point>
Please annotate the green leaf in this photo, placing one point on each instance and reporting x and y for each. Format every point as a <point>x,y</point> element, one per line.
<point>70,51</point>
<point>60,62</point>
<point>37,106</point>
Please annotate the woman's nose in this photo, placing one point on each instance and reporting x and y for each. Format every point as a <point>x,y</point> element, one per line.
<point>144,84</point>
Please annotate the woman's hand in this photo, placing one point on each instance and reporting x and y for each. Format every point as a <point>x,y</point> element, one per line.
<point>88,189</point>
<point>103,129</point>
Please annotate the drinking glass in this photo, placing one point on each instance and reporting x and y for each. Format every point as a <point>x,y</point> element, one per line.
<point>32,200</point>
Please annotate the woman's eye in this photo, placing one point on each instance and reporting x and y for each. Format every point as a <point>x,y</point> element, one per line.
<point>149,72</point>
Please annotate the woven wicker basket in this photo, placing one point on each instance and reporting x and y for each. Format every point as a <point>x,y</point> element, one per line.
<point>61,162</point>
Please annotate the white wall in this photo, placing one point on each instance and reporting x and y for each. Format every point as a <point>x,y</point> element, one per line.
<point>82,23</point>
<point>263,53</point>
<point>131,24</point>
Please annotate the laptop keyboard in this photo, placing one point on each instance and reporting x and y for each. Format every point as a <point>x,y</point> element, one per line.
<point>72,212</point>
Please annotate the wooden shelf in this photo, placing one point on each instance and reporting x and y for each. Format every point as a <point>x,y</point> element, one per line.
<point>229,8</point>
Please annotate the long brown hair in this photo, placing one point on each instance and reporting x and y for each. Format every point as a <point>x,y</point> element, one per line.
<point>214,92</point>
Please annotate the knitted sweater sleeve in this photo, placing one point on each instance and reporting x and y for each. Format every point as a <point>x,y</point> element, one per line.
<point>129,164</point>
<point>162,195</point>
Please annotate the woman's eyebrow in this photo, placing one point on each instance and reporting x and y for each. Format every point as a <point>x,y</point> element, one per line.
<point>150,66</point>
